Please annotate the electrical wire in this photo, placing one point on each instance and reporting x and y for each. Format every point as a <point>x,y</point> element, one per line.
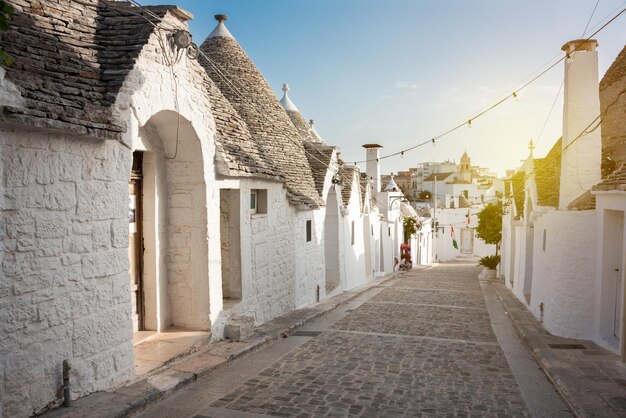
<point>589,21</point>
<point>499,102</point>
<point>221,74</point>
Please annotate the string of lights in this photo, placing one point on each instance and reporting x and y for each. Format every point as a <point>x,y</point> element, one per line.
<point>468,122</point>
<point>514,95</point>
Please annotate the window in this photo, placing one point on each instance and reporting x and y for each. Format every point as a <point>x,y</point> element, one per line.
<point>309,225</point>
<point>544,240</point>
<point>258,201</point>
<point>372,226</point>
<point>352,233</point>
<point>253,201</point>
<point>389,232</point>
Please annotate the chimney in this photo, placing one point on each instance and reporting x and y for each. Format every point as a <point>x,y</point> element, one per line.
<point>372,167</point>
<point>581,158</point>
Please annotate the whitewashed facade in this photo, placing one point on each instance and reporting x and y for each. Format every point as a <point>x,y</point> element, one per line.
<point>226,232</point>
<point>563,235</point>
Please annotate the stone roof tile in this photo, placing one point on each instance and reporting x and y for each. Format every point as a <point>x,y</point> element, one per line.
<point>613,109</point>
<point>615,181</point>
<point>319,159</point>
<point>348,173</point>
<point>267,121</point>
<point>70,60</point>
<point>243,156</point>
<point>548,176</point>
<point>518,181</point>
<point>586,201</point>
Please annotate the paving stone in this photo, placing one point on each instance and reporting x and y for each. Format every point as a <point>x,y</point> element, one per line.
<point>398,354</point>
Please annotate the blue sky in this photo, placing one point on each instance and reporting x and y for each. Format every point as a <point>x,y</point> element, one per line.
<point>399,72</point>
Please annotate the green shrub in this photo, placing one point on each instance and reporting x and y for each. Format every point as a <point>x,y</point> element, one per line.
<point>490,261</point>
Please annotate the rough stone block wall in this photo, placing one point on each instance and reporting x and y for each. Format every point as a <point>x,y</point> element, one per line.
<point>65,286</point>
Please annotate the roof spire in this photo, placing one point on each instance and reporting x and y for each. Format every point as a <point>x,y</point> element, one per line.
<point>531,146</point>
<point>221,30</point>
<point>285,102</point>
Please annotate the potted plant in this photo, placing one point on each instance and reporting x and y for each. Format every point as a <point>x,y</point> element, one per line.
<point>406,263</point>
<point>490,263</point>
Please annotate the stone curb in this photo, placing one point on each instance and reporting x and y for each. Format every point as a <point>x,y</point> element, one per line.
<point>574,388</point>
<point>155,385</point>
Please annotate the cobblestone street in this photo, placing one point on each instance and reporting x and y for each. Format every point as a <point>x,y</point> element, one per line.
<point>420,344</point>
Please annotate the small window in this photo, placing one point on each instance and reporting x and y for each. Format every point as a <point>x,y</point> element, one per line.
<point>253,201</point>
<point>352,233</point>
<point>309,225</point>
<point>389,232</point>
<point>258,201</point>
<point>544,240</point>
<point>372,226</point>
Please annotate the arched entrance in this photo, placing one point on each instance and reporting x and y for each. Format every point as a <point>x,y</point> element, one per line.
<point>174,256</point>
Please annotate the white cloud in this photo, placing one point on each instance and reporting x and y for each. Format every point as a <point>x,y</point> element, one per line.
<point>407,85</point>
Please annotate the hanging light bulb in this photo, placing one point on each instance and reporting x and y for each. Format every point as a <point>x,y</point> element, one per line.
<point>569,58</point>
<point>469,123</point>
<point>401,154</point>
<point>515,97</point>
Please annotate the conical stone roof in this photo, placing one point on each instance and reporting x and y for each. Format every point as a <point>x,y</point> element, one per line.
<point>270,127</point>
<point>305,129</point>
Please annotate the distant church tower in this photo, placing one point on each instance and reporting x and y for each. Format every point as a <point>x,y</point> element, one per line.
<point>465,170</point>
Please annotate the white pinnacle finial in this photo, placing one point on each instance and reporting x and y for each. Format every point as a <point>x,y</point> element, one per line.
<point>220,29</point>
<point>285,102</point>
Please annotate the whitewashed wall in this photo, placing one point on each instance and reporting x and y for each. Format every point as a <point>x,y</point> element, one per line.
<point>564,273</point>
<point>354,254</point>
<point>64,232</point>
<point>65,287</point>
<point>444,248</point>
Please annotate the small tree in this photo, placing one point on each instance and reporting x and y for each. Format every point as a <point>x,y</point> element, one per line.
<point>5,13</point>
<point>489,227</point>
<point>411,226</point>
<point>425,195</point>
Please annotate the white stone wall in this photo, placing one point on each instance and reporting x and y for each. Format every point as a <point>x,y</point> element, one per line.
<point>65,285</point>
<point>309,257</point>
<point>354,261</point>
<point>64,232</point>
<point>563,274</point>
<point>280,271</point>
<point>444,250</point>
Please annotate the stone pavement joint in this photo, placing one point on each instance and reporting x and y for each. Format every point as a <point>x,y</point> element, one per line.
<point>591,381</point>
<point>155,385</point>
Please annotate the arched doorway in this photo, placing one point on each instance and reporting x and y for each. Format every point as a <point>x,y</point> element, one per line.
<point>174,256</point>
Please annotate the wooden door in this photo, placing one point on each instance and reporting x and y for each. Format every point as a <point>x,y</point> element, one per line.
<point>135,242</point>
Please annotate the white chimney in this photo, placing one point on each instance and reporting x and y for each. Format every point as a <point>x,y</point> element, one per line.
<point>581,158</point>
<point>372,167</point>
